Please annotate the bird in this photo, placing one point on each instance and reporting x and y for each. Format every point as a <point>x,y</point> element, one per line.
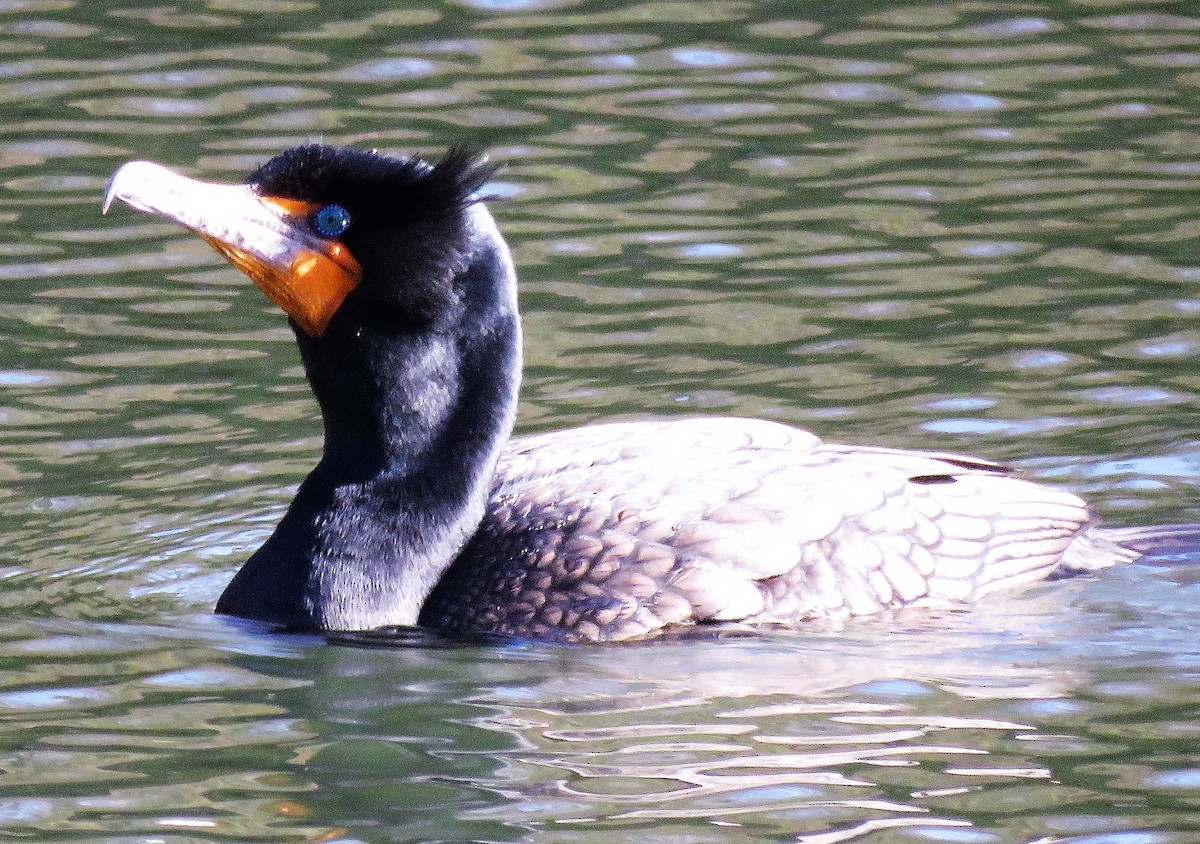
<point>425,511</point>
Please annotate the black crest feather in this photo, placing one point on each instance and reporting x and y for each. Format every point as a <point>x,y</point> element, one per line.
<point>407,216</point>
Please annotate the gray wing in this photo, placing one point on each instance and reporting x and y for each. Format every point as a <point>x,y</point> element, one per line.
<point>615,531</point>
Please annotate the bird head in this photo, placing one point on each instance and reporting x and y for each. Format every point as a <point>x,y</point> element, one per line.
<point>317,224</point>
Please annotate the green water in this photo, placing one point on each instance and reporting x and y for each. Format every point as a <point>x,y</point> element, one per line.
<point>959,226</point>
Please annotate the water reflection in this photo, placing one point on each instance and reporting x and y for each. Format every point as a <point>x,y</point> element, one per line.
<point>923,721</point>
<point>831,735</point>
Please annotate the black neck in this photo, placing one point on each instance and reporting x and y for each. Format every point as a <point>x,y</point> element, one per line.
<point>415,418</point>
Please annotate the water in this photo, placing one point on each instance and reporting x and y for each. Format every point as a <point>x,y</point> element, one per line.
<point>959,226</point>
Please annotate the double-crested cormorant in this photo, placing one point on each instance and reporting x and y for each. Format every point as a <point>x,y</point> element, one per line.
<point>402,296</point>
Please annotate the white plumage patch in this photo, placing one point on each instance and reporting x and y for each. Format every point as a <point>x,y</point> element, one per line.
<point>759,521</point>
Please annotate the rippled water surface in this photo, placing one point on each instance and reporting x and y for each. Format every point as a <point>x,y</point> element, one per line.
<point>962,226</point>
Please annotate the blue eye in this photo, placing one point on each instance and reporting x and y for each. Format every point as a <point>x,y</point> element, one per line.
<point>330,220</point>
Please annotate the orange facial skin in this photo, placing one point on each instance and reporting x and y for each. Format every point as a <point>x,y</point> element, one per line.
<point>267,238</point>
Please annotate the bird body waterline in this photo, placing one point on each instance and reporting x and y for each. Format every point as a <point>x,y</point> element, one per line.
<point>422,510</point>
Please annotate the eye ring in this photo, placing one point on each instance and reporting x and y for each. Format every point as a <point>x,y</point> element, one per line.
<point>330,220</point>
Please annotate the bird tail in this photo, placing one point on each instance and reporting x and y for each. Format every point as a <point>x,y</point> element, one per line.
<point>1158,543</point>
